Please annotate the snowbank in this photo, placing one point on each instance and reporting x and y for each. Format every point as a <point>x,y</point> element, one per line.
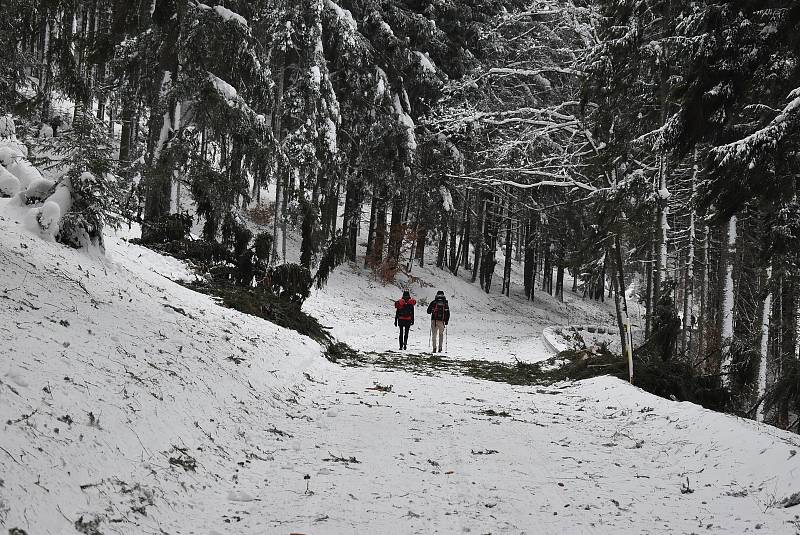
<point>127,398</point>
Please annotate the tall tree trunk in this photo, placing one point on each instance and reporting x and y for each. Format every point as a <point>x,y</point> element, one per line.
<point>509,251</point>
<point>453,249</point>
<point>463,246</point>
<point>466,230</point>
<point>648,299</point>
<point>535,267</point>
<point>727,304</point>
<point>528,268</point>
<point>442,252</point>
<point>422,238</point>
<point>126,135</point>
<point>490,249</point>
<point>352,211</point>
<point>621,306</point>
<point>783,343</point>
<point>688,280</point>
<point>396,230</point>
<point>380,229</point>
<point>547,273</point>
<point>766,308</point>
<point>479,239</point>
<point>688,290</point>
<point>158,177</point>
<point>277,132</point>
<point>371,232</point>
<point>560,275</point>
<point>662,227</point>
<point>701,331</point>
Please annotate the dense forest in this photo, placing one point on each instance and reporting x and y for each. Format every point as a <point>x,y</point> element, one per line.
<point>644,150</point>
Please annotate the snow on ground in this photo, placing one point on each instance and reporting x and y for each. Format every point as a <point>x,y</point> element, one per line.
<point>131,401</point>
<point>482,326</point>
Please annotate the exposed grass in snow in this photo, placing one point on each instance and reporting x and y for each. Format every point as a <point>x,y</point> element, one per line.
<point>264,304</point>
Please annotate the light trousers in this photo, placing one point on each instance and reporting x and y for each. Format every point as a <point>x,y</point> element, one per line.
<point>437,330</point>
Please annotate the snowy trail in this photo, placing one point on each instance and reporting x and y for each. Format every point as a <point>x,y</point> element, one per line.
<point>596,457</point>
<point>359,309</point>
<point>131,401</point>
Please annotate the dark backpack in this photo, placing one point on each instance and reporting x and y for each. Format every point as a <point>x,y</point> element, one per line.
<point>438,311</point>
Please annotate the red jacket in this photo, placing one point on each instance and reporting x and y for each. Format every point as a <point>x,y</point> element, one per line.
<point>405,309</point>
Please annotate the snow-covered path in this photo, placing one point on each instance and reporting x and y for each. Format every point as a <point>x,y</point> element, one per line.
<point>459,455</point>
<point>134,405</point>
<point>482,326</point>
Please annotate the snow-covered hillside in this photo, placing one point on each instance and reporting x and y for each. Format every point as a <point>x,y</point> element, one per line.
<point>132,405</point>
<point>482,326</point>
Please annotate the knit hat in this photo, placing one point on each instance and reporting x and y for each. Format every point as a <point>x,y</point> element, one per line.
<point>440,293</point>
<point>406,294</point>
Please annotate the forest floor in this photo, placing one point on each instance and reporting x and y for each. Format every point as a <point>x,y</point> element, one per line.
<point>130,404</point>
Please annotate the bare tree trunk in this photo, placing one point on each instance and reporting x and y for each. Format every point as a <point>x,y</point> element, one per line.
<point>727,304</point>
<point>453,250</point>
<point>507,267</point>
<point>662,229</point>
<point>529,266</point>
<point>158,178</point>
<point>535,267</point>
<point>467,225</point>
<point>488,262</point>
<point>442,252</point>
<point>560,274</point>
<point>371,231</point>
<point>396,230</point>
<point>380,229</point>
<point>479,243</point>
<point>547,274</point>
<point>764,345</point>
<point>701,331</point>
<point>688,280</point>
<point>352,209</point>
<point>620,304</point>
<point>648,300</point>
<point>277,131</point>
<point>463,246</point>
<point>422,238</point>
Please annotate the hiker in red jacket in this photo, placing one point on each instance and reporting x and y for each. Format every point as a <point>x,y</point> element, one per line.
<point>440,317</point>
<point>404,316</point>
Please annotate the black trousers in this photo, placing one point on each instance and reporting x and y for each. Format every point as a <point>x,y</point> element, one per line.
<point>404,326</point>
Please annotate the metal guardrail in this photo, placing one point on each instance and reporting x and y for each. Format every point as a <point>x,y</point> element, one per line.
<point>592,329</point>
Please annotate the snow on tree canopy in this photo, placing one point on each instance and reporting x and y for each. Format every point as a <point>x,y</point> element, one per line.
<point>229,15</point>
<point>330,135</point>
<point>223,88</point>
<point>7,128</point>
<point>386,28</point>
<point>15,162</point>
<point>226,14</point>
<point>342,14</point>
<point>447,199</point>
<point>48,217</point>
<point>316,76</point>
<point>383,82</point>
<point>9,184</point>
<point>751,148</point>
<point>425,62</point>
<point>407,122</point>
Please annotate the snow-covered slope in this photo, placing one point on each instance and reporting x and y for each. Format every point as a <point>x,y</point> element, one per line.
<point>132,405</point>
<point>360,309</point>
<point>113,379</point>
